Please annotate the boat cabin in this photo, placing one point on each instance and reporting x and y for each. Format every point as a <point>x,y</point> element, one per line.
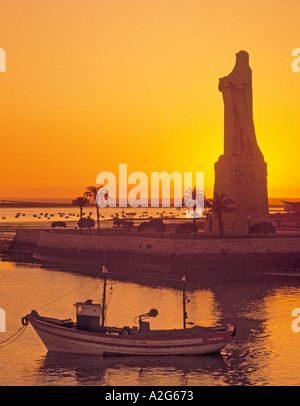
<point>88,315</point>
<point>88,318</point>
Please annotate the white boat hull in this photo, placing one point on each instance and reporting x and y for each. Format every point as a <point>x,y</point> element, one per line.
<point>71,340</point>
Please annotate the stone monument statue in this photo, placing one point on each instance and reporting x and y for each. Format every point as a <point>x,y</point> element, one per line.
<point>240,172</point>
<point>239,132</point>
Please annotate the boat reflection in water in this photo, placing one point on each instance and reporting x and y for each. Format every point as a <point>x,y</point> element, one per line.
<point>132,370</point>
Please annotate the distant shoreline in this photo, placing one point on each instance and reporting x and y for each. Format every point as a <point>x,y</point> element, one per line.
<point>34,205</point>
<point>67,202</point>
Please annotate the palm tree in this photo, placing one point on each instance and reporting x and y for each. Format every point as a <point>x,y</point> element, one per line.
<point>221,204</point>
<point>193,199</point>
<point>92,191</point>
<point>80,202</point>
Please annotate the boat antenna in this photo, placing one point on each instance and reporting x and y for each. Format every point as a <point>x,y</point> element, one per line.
<point>104,272</point>
<point>184,300</point>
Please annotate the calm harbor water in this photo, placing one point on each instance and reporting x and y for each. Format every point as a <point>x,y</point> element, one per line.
<point>34,216</point>
<point>265,350</point>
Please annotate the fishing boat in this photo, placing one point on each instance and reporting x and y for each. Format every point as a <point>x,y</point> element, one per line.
<point>90,334</point>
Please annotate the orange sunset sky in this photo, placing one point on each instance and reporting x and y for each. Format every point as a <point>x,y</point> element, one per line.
<point>90,84</point>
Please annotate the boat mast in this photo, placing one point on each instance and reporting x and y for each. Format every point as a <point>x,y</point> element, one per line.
<point>104,271</point>
<point>184,301</point>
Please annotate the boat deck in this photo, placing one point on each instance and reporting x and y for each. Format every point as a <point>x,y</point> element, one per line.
<point>196,330</point>
<point>192,331</point>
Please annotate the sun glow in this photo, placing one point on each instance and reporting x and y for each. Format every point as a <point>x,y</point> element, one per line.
<point>89,85</point>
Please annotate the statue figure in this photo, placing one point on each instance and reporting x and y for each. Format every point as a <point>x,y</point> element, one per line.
<point>239,131</point>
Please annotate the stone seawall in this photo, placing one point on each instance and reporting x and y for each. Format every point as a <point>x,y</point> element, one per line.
<point>161,256</point>
<point>162,246</point>
<point>25,241</point>
<point>164,257</point>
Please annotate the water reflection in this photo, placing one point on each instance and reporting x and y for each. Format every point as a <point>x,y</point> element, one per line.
<point>264,351</point>
<point>279,336</point>
<point>125,371</point>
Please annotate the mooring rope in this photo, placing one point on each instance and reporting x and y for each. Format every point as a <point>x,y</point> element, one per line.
<point>7,341</point>
<point>21,330</point>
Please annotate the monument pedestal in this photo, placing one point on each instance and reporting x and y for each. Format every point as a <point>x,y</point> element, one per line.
<point>243,180</point>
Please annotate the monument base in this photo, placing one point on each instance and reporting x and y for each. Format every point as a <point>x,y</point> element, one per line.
<point>244,181</point>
